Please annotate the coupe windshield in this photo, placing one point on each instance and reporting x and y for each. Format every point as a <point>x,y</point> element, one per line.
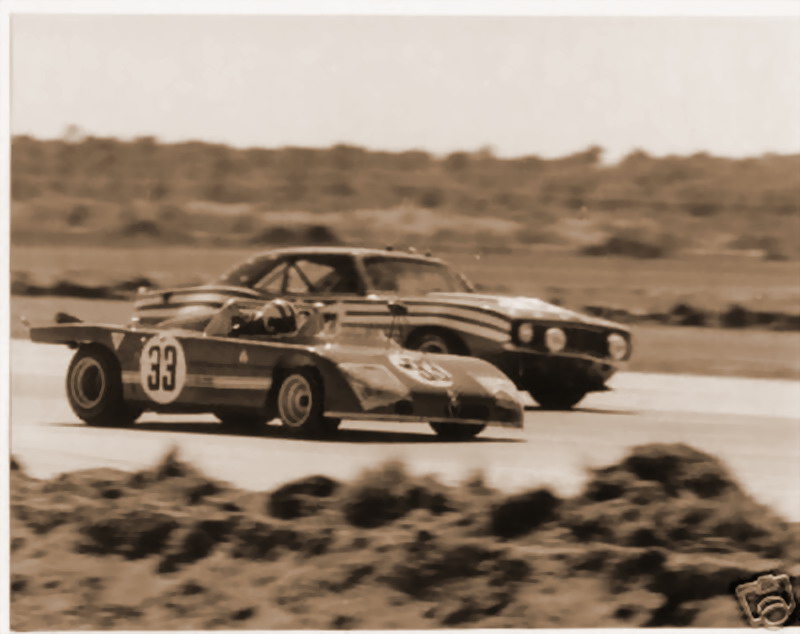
<point>412,277</point>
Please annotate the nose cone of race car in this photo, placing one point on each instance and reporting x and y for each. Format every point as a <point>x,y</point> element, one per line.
<point>504,397</point>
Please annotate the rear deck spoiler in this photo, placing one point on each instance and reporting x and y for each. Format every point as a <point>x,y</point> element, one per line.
<point>74,334</point>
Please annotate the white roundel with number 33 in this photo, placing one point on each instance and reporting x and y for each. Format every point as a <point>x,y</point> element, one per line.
<point>162,368</point>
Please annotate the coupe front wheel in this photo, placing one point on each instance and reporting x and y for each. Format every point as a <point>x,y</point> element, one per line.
<point>94,389</point>
<point>558,398</point>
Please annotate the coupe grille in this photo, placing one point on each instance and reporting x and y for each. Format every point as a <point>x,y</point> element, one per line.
<point>587,341</point>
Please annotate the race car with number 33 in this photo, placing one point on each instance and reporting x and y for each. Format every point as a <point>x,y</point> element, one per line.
<point>557,355</point>
<point>249,366</point>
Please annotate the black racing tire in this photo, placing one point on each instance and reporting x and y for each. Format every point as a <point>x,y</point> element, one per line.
<point>300,404</point>
<point>434,342</point>
<point>330,426</point>
<point>94,388</point>
<point>456,431</point>
<point>238,422</point>
<point>558,398</point>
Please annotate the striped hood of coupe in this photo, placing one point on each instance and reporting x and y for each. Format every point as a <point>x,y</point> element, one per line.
<point>518,307</point>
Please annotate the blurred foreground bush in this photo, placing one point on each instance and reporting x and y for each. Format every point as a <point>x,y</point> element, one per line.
<point>660,538</point>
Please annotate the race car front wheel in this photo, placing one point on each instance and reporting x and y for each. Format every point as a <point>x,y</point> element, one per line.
<point>94,388</point>
<point>456,431</point>
<point>300,402</point>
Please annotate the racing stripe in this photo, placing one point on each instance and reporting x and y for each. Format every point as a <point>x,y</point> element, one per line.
<point>385,322</point>
<point>474,320</point>
<point>230,290</point>
<point>477,322</point>
<point>212,381</point>
<point>467,313</point>
<point>176,305</point>
<point>193,296</point>
<point>430,316</point>
<point>248,302</point>
<point>494,315</point>
<point>155,316</point>
<point>235,291</point>
<point>229,382</point>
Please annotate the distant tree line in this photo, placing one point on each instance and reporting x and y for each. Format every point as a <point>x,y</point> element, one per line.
<point>348,177</point>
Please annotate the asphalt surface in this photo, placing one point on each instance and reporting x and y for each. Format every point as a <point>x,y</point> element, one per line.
<point>751,424</point>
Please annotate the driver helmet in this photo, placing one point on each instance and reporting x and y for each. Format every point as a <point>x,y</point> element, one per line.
<point>278,317</point>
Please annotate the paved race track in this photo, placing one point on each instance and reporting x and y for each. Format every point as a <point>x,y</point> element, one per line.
<point>752,424</point>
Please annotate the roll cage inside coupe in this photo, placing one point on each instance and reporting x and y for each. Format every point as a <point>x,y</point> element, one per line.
<point>556,354</point>
<point>311,274</point>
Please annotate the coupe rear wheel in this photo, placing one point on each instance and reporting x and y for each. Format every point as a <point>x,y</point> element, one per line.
<point>558,398</point>
<point>456,431</point>
<point>94,389</point>
<point>433,342</point>
<point>300,401</point>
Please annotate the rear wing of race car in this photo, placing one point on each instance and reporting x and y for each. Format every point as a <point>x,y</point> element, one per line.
<point>75,334</point>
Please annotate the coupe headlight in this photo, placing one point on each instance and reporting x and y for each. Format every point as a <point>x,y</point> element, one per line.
<point>525,332</point>
<point>617,346</point>
<point>555,339</point>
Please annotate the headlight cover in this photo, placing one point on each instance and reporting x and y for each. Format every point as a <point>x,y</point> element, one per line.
<point>374,385</point>
<point>555,339</point>
<point>525,332</point>
<point>617,346</point>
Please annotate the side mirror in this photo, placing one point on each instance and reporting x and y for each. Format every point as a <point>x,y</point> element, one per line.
<point>66,318</point>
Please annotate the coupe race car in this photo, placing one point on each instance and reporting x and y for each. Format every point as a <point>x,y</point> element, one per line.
<point>556,354</point>
<point>248,366</point>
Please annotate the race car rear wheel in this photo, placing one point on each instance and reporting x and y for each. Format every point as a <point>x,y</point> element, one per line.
<point>94,388</point>
<point>456,431</point>
<point>558,398</point>
<point>300,403</point>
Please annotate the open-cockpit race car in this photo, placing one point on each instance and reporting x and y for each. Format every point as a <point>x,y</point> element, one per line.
<point>290,361</point>
<point>557,355</point>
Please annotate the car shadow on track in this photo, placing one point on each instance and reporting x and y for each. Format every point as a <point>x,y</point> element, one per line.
<point>275,431</point>
<point>580,410</point>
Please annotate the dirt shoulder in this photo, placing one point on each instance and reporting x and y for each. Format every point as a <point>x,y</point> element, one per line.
<point>661,538</point>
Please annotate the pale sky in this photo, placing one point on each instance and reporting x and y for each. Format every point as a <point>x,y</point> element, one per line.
<point>521,85</point>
